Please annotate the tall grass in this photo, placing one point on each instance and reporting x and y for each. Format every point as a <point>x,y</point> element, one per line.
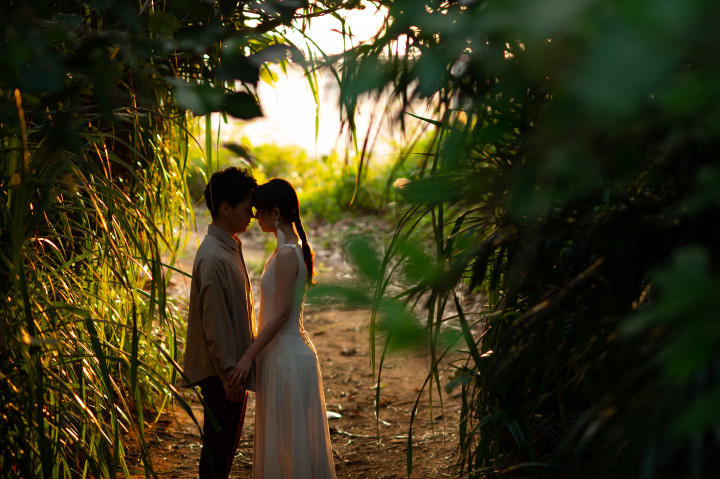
<point>94,101</point>
<point>88,334</point>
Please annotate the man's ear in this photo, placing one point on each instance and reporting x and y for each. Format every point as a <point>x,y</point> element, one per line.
<point>224,208</point>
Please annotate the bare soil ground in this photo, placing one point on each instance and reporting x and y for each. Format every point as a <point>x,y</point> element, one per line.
<point>364,445</point>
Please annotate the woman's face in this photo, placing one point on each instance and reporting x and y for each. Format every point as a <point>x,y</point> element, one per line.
<point>266,221</point>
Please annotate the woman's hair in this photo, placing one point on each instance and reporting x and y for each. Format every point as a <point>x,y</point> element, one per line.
<point>280,194</point>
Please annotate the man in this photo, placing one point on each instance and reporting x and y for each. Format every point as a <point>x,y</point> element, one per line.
<point>221,320</point>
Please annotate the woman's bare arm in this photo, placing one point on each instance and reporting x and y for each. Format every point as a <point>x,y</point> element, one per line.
<point>286,269</point>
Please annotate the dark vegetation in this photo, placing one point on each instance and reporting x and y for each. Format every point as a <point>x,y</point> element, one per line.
<point>573,179</point>
<point>94,138</point>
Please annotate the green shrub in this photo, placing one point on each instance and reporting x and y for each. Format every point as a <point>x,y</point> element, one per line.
<point>573,181</point>
<point>325,186</point>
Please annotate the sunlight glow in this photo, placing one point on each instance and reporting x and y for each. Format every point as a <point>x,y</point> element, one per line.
<point>326,31</point>
<point>290,113</point>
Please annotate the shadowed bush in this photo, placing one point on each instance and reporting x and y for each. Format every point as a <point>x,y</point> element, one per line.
<point>572,180</point>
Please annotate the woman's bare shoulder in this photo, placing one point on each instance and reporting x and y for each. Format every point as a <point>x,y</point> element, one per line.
<point>286,261</point>
<point>286,252</point>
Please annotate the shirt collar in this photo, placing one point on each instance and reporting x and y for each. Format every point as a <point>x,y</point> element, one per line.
<point>224,236</point>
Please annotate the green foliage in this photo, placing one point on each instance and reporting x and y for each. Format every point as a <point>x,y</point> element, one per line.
<point>325,186</point>
<point>572,180</point>
<point>94,102</point>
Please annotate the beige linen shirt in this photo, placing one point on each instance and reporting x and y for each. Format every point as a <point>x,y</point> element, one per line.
<point>221,321</point>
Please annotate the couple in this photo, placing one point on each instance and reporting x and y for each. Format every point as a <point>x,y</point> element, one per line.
<point>225,357</point>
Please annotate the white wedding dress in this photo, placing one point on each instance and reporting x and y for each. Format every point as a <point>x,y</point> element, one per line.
<point>292,440</point>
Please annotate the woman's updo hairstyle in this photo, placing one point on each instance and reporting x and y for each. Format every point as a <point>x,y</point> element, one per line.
<point>278,193</point>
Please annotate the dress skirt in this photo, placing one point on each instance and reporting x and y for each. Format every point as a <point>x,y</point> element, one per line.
<point>291,433</point>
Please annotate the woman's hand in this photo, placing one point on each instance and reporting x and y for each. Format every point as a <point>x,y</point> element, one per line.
<point>240,373</point>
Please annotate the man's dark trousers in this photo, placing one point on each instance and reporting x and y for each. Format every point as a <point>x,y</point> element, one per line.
<point>219,447</point>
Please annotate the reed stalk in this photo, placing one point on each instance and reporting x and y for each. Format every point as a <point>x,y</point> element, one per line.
<point>98,102</point>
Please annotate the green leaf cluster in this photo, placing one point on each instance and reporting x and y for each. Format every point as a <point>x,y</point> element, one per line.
<point>562,218</point>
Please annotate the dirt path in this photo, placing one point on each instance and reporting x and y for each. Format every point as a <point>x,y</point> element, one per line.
<point>363,447</point>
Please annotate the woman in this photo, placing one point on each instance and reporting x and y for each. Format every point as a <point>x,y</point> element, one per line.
<point>292,440</point>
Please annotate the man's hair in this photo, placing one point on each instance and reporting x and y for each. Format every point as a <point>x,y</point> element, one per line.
<point>232,185</point>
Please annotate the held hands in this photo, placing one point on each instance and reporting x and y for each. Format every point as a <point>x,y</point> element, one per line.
<point>235,386</point>
<point>239,374</point>
<point>234,394</point>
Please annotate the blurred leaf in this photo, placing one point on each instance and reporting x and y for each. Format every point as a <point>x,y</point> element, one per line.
<point>536,20</point>
<point>602,82</point>
<point>419,265</point>
<point>403,328</point>
<point>347,295</point>
<point>682,284</point>
<point>432,191</point>
<point>242,152</point>
<point>201,98</point>
<point>192,8</point>
<point>128,15</point>
<point>236,66</point>
<point>366,76</point>
<point>198,38</point>
<point>274,53</point>
<point>163,23</point>
<point>684,309</point>
<point>431,71</point>
<point>242,105</point>
<point>703,415</point>
<point>363,253</point>
<point>44,73</point>
<point>707,195</point>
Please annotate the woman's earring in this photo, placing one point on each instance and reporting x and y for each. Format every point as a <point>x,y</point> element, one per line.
<point>280,234</point>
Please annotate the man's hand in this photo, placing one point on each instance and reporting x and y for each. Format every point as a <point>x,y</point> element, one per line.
<point>234,394</point>
<point>239,374</point>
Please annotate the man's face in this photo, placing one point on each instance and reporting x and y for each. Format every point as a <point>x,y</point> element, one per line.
<point>240,216</point>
